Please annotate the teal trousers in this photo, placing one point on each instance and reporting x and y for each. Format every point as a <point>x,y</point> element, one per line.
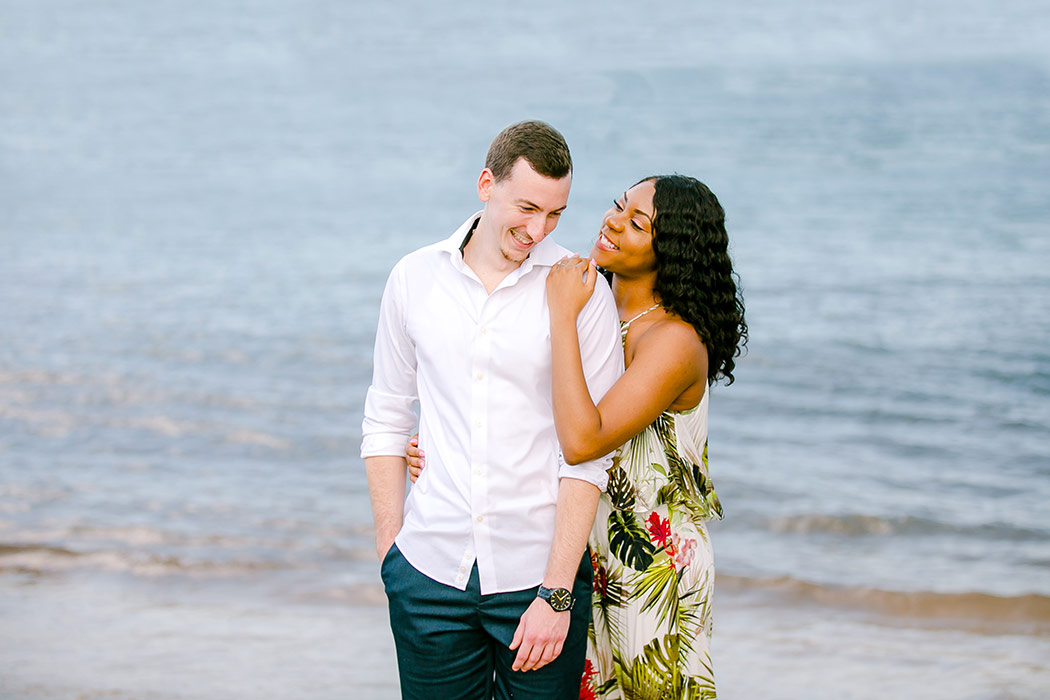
<point>453,644</point>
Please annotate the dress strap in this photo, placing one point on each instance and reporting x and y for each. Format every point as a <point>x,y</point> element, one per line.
<point>625,325</point>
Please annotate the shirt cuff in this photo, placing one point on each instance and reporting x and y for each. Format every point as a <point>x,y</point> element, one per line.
<point>594,472</point>
<point>388,424</point>
<point>384,445</point>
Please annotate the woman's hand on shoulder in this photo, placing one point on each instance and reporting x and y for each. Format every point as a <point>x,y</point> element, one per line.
<point>570,283</point>
<point>414,457</point>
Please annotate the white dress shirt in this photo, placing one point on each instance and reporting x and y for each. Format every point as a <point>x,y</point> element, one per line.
<point>479,366</point>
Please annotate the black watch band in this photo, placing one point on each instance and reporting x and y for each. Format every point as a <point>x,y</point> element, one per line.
<point>560,599</point>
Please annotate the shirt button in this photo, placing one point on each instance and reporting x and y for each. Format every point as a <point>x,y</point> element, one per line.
<point>484,330</point>
<point>477,424</point>
<point>478,472</point>
<point>480,518</point>
<point>462,570</point>
<point>479,376</point>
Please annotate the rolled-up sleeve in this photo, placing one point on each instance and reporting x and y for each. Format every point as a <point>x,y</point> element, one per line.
<point>389,412</point>
<point>598,327</point>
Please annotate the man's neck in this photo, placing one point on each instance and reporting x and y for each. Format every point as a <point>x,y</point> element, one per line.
<point>482,254</point>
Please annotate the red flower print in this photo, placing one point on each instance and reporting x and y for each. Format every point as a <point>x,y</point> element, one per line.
<point>659,530</point>
<point>587,689</point>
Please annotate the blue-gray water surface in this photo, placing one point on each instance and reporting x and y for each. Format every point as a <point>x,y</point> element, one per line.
<point>198,209</point>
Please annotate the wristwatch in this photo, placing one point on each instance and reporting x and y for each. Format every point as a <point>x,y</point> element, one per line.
<point>559,598</point>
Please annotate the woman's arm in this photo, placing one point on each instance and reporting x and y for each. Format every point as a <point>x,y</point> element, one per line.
<point>668,359</point>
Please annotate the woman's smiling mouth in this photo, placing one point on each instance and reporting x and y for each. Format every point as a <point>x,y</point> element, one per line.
<point>605,244</point>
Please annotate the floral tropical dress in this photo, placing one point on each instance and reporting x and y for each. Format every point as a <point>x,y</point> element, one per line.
<point>653,566</point>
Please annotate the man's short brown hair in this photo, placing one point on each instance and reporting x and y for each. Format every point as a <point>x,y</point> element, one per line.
<point>537,142</point>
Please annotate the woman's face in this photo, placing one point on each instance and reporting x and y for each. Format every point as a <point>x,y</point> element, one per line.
<point>625,242</point>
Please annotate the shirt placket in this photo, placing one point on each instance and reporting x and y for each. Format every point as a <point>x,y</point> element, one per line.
<point>480,383</point>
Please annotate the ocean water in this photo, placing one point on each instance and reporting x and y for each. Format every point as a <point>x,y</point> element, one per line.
<point>198,209</point>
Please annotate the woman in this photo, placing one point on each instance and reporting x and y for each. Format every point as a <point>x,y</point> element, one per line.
<point>664,247</point>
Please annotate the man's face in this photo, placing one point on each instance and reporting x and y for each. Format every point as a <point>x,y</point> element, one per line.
<point>523,208</point>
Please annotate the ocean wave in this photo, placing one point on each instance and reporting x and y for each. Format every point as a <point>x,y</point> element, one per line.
<point>142,550</point>
<point>257,438</point>
<point>169,427</point>
<point>46,422</point>
<point>32,492</point>
<point>7,550</point>
<point>1032,375</point>
<point>49,421</point>
<point>162,425</point>
<point>44,560</point>
<point>40,377</point>
<point>351,540</point>
<point>860,525</point>
<point>850,525</point>
<point>1026,613</point>
<point>352,594</point>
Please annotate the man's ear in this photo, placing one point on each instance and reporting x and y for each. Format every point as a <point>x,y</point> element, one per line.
<point>485,182</point>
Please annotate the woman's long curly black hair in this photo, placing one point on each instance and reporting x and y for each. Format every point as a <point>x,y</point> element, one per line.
<point>694,275</point>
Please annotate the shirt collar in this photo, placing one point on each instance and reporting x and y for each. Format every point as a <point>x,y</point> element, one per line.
<point>452,243</point>
<point>544,253</point>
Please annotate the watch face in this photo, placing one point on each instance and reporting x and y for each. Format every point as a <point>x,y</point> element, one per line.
<point>560,599</point>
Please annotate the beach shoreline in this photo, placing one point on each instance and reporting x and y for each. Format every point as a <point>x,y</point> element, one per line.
<point>88,636</point>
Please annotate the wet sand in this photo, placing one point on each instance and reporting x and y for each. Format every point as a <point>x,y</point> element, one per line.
<point>115,638</point>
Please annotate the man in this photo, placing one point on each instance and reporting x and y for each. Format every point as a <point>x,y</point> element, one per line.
<point>464,330</point>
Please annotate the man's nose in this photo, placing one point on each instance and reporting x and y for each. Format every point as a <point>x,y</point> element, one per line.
<point>537,227</point>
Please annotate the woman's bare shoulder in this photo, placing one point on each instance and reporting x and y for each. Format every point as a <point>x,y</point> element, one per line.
<point>671,333</point>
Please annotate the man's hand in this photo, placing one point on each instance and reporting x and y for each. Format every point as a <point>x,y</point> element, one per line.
<point>415,458</point>
<point>539,637</point>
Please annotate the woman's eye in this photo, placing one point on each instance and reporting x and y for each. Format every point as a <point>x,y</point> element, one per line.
<point>619,207</point>
<point>636,225</point>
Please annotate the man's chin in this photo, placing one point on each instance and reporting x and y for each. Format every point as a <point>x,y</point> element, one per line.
<point>514,256</point>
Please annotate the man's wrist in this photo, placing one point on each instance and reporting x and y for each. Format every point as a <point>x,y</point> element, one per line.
<point>560,599</point>
<point>384,542</point>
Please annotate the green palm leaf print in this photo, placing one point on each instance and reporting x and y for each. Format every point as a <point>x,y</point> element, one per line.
<point>694,614</point>
<point>655,675</point>
<point>620,489</point>
<point>652,674</point>
<point>629,541</point>
<point>706,489</point>
<point>659,585</point>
